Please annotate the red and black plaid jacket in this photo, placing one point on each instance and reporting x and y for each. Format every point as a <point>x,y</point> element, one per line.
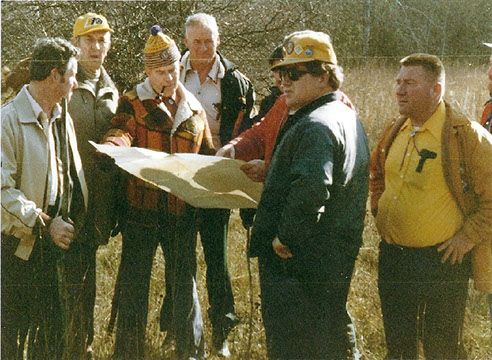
<point>145,124</point>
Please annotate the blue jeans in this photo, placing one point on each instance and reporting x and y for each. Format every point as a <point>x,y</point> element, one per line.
<point>213,228</point>
<point>214,224</point>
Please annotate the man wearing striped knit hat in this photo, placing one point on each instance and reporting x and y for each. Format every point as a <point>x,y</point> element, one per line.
<point>159,114</point>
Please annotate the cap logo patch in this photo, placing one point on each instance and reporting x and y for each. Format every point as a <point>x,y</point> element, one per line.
<point>164,54</point>
<point>298,49</point>
<point>309,52</point>
<point>289,47</point>
<point>93,21</point>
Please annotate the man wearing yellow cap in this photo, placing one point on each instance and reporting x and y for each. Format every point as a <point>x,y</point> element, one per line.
<point>159,114</point>
<point>308,226</point>
<point>92,106</point>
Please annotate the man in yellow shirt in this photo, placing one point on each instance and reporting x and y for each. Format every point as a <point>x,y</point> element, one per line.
<point>417,185</point>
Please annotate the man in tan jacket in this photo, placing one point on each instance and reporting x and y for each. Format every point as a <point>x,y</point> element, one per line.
<point>486,121</point>
<point>44,199</point>
<point>432,200</point>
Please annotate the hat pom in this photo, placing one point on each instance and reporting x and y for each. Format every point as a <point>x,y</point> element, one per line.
<point>154,30</point>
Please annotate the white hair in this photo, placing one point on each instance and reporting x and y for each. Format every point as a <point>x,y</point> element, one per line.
<point>202,19</point>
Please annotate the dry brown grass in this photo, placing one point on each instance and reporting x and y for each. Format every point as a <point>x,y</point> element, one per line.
<point>371,90</point>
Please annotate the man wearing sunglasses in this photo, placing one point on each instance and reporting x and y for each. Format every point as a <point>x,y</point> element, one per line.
<point>308,226</point>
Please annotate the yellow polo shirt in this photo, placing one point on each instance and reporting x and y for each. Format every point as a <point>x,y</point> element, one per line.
<point>416,209</point>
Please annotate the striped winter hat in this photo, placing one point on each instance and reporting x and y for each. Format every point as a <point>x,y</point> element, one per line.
<point>160,50</point>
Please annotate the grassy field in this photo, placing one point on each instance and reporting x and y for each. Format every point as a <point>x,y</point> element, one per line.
<point>371,89</point>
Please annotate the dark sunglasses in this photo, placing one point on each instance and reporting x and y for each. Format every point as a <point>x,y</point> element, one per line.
<point>292,73</point>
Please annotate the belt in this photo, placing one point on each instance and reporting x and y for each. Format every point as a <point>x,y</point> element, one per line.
<point>408,249</point>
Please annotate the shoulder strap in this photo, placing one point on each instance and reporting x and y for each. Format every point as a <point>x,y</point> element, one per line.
<point>393,131</point>
<point>466,189</point>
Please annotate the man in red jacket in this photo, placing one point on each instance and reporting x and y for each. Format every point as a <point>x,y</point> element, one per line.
<point>486,121</point>
<point>256,144</point>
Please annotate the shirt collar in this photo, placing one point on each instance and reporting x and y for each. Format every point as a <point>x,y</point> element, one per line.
<point>216,72</point>
<point>433,124</point>
<point>37,108</point>
<point>145,90</point>
<point>185,61</point>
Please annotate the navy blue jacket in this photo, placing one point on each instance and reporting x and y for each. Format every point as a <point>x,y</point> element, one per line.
<point>315,192</point>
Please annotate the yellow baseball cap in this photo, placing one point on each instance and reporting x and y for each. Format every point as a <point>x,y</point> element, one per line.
<point>307,45</point>
<point>90,22</point>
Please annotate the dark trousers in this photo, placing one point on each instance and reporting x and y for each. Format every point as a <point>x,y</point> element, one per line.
<point>30,302</point>
<point>422,298</point>
<point>16,277</point>
<point>213,229</point>
<point>305,319</point>
<point>77,283</point>
<point>177,236</point>
<point>52,296</point>
<point>490,309</point>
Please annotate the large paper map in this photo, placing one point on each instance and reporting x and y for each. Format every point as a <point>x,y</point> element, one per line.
<point>201,181</point>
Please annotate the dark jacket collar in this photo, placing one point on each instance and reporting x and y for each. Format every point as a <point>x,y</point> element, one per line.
<point>308,108</point>
<point>299,114</point>
<point>103,82</point>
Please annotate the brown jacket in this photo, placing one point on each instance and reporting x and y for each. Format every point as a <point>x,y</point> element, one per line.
<point>467,166</point>
<point>146,124</point>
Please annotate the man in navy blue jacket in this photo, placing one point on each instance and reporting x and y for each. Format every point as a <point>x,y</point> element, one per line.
<point>308,227</point>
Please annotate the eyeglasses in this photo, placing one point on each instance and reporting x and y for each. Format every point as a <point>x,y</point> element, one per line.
<point>292,73</point>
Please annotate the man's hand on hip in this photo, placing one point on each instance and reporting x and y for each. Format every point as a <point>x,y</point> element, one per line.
<point>455,248</point>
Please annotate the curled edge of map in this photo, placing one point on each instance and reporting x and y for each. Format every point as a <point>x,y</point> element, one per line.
<point>201,181</point>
